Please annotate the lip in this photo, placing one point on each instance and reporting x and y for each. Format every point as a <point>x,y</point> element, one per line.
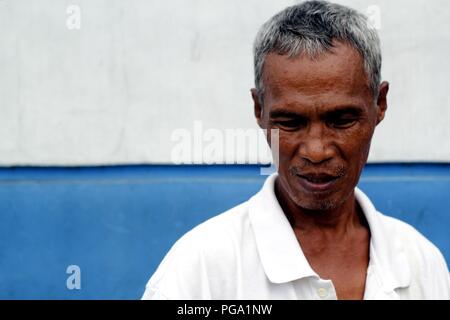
<point>317,186</point>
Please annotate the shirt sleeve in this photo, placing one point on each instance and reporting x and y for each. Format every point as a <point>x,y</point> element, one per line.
<point>440,278</point>
<point>182,274</point>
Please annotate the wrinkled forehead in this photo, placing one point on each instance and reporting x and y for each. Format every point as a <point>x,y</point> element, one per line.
<point>339,73</point>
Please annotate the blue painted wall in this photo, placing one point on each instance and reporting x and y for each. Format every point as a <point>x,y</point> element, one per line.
<point>117,223</point>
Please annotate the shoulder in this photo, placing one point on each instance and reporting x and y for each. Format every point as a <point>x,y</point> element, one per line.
<point>428,269</point>
<point>207,250</point>
<point>217,234</point>
<point>410,238</point>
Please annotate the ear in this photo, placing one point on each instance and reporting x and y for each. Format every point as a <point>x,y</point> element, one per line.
<point>382,101</point>
<point>257,107</point>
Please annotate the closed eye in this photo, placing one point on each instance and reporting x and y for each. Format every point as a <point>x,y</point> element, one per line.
<point>289,124</point>
<point>342,122</point>
<point>343,118</point>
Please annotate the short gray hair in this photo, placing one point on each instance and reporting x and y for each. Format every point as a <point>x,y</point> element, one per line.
<point>310,27</point>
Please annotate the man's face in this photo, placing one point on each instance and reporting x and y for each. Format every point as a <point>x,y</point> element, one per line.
<point>326,116</point>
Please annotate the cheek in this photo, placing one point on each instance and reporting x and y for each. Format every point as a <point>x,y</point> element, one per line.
<point>355,149</point>
<point>288,145</point>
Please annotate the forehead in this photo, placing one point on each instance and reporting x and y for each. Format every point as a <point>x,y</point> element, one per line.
<point>331,78</point>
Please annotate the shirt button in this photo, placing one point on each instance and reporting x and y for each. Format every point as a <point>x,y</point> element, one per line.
<point>322,292</point>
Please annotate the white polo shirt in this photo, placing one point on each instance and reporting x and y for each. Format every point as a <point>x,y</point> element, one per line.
<point>251,252</point>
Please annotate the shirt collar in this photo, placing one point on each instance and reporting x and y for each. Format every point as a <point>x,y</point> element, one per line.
<point>283,259</point>
<point>387,251</point>
<point>280,253</point>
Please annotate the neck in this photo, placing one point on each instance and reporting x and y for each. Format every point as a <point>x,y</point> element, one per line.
<point>337,221</point>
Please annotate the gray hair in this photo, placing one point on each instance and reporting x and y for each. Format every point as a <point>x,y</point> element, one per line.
<point>310,28</point>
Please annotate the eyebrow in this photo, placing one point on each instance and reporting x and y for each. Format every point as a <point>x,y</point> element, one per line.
<point>352,110</point>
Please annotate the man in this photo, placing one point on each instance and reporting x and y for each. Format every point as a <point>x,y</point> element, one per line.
<point>309,233</point>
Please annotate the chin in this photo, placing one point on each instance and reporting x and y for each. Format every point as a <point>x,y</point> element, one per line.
<point>317,201</point>
<point>317,204</point>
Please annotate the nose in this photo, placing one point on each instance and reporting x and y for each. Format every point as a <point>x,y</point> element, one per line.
<point>315,146</point>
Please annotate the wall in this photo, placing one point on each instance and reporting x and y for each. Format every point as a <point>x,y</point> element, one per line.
<point>116,223</point>
<point>114,90</point>
<point>80,106</point>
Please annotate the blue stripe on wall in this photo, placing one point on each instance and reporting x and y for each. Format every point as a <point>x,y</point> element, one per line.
<point>116,223</point>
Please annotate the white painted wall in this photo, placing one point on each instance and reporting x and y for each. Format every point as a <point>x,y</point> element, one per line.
<point>115,90</point>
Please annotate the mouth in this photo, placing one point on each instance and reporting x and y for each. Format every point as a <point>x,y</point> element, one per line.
<point>318,182</point>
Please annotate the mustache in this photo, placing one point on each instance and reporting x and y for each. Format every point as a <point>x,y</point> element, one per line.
<point>338,171</point>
